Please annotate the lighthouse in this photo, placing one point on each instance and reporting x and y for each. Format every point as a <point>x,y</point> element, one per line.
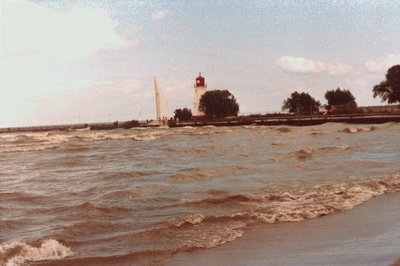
<point>199,89</point>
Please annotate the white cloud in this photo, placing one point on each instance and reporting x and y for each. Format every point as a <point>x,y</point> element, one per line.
<point>381,65</point>
<point>44,50</point>
<point>28,28</point>
<point>301,65</point>
<point>161,14</point>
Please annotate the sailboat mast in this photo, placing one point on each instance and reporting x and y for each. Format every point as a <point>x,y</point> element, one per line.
<point>157,93</point>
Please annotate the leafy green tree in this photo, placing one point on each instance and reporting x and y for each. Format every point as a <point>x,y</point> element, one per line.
<point>184,114</point>
<point>301,104</point>
<point>218,104</point>
<point>340,97</point>
<point>389,90</point>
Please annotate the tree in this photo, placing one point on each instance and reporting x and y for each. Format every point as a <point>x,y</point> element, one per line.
<point>184,114</point>
<point>218,104</point>
<point>301,104</point>
<point>340,97</point>
<point>389,90</point>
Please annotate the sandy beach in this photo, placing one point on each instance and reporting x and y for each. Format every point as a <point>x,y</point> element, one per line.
<point>367,235</point>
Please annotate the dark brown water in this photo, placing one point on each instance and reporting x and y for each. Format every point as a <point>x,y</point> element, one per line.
<point>83,197</point>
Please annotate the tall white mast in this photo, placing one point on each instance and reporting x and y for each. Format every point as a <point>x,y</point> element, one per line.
<point>157,93</point>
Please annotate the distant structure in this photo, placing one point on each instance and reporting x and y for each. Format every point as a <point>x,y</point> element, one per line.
<point>199,89</point>
<point>161,105</point>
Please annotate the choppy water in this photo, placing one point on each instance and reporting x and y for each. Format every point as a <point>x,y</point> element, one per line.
<point>95,196</point>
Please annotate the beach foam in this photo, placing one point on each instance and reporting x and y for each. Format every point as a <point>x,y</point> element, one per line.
<point>18,253</point>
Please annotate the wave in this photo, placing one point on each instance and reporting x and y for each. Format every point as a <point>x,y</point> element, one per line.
<point>85,210</point>
<point>206,130</point>
<point>208,172</point>
<point>26,198</point>
<point>126,174</point>
<point>283,129</point>
<point>354,130</point>
<point>62,137</point>
<point>309,152</point>
<point>149,136</point>
<point>27,148</point>
<point>215,221</point>
<point>141,136</point>
<point>252,126</point>
<point>91,227</point>
<point>222,217</point>
<point>317,133</point>
<point>220,220</point>
<point>18,253</point>
<point>153,257</point>
<point>298,204</point>
<point>89,209</point>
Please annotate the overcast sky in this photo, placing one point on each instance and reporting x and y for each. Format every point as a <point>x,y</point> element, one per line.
<point>92,61</point>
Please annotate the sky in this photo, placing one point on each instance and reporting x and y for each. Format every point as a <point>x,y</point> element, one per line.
<point>94,61</point>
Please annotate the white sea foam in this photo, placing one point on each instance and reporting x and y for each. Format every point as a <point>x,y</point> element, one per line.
<point>353,130</point>
<point>150,135</point>
<point>189,219</point>
<point>18,253</point>
<point>323,199</point>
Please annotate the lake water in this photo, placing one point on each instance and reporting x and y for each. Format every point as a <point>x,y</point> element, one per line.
<point>85,197</point>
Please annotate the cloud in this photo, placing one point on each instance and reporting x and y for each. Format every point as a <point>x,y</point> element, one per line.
<point>46,52</point>
<point>159,15</point>
<point>301,65</point>
<point>381,65</point>
<point>31,29</point>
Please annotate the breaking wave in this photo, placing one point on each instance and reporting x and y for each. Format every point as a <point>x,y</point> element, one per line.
<point>353,130</point>
<point>19,253</point>
<point>223,219</point>
<point>309,152</point>
<point>40,141</point>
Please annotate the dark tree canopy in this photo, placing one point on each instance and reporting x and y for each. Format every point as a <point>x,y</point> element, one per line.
<point>340,97</point>
<point>218,104</point>
<point>301,103</point>
<point>184,114</point>
<point>389,90</point>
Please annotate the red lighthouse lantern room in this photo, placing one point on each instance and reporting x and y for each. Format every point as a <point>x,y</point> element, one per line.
<point>200,81</point>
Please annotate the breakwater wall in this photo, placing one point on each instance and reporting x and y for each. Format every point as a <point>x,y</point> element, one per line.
<point>296,120</point>
<point>239,121</point>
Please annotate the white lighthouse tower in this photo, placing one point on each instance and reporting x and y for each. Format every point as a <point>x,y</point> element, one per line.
<point>199,89</point>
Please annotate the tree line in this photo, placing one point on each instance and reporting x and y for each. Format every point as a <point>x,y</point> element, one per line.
<point>222,103</point>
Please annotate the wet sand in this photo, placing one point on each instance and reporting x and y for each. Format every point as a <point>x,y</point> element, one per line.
<point>367,235</point>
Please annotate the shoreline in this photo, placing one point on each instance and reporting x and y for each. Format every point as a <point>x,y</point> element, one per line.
<point>369,234</point>
<point>241,121</point>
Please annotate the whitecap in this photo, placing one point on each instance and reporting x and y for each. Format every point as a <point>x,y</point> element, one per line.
<point>18,253</point>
